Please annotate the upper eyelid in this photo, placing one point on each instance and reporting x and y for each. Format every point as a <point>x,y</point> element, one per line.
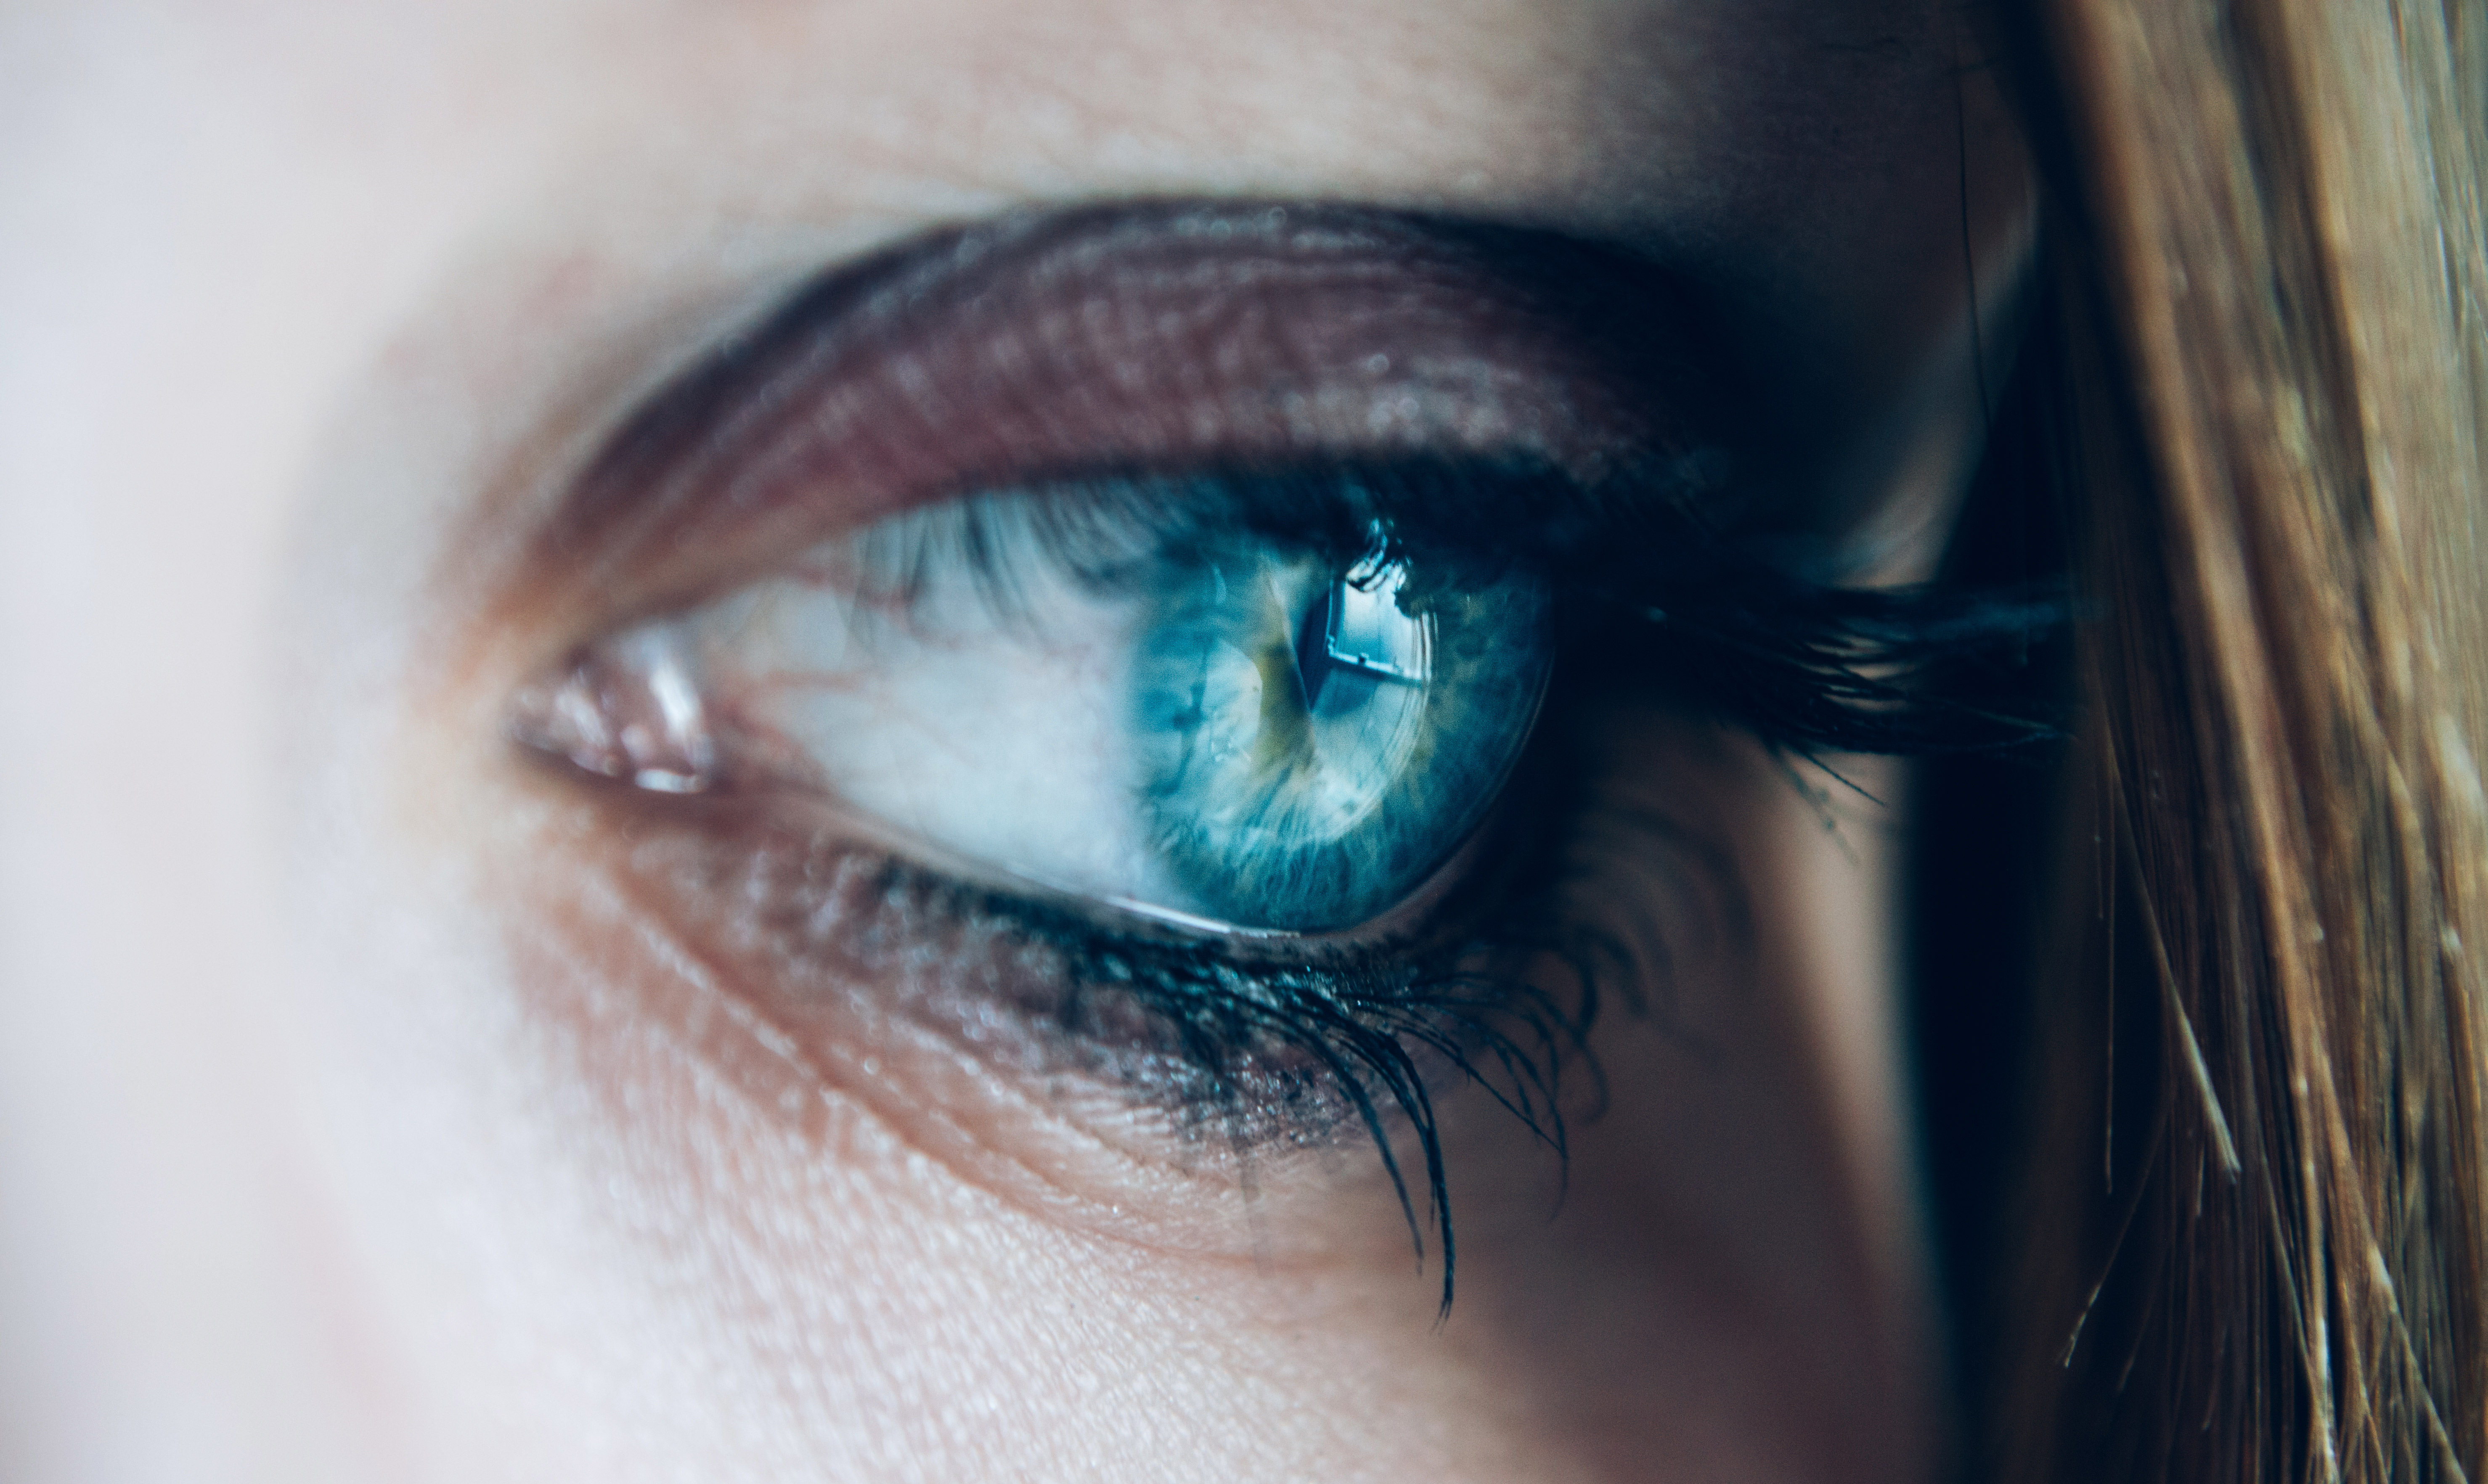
<point>722,444</point>
<point>771,442</point>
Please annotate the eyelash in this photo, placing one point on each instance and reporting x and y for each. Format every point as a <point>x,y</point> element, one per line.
<point>1285,1050</point>
<point>1807,669</point>
<point>1277,1041</point>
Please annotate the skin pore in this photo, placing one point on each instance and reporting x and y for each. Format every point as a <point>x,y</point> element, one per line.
<point>359,1117</point>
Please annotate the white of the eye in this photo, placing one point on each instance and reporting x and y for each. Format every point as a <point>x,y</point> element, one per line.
<point>1002,740</point>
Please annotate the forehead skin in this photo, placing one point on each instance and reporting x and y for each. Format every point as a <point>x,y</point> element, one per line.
<point>291,287</point>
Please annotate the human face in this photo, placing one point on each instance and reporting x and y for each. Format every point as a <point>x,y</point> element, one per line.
<point>372,1107</point>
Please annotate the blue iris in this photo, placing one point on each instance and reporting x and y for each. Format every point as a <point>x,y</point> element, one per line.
<point>1313,740</point>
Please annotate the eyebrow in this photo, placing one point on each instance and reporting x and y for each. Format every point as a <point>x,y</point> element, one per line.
<point>1156,338</point>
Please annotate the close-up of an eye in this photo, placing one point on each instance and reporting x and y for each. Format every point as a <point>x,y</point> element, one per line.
<point>1133,621</point>
<point>1164,662</point>
<point>1244,742</point>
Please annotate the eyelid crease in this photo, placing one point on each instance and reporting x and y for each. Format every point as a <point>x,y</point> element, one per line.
<point>1146,337</point>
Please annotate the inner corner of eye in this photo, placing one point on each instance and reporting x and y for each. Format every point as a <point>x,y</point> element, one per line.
<point>630,708</point>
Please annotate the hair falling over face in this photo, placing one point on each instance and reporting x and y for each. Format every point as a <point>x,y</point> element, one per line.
<point>2254,1184</point>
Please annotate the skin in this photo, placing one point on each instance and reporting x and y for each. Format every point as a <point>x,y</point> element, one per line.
<point>312,1167</point>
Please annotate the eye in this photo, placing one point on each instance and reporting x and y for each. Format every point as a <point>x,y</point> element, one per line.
<point>1118,691</point>
<point>1061,679</point>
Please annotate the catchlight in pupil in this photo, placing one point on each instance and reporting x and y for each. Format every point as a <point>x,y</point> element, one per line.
<point>1074,689</point>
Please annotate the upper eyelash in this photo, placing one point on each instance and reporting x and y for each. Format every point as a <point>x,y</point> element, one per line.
<point>1096,533</point>
<point>1805,667</point>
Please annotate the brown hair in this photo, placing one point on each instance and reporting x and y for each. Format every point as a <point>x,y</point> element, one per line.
<point>2253,1242</point>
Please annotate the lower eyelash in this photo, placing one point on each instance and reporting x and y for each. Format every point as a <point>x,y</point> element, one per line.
<point>1581,901</point>
<point>1597,902</point>
<point>1242,1050</point>
<point>1292,1052</point>
<point>1285,1053</point>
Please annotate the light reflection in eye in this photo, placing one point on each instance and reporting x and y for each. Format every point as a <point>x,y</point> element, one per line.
<point>1278,700</point>
<point>1206,724</point>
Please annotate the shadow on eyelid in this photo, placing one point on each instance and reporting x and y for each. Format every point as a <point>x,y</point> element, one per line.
<point>1139,336</point>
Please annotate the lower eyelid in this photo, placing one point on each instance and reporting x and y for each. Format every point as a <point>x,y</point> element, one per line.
<point>814,977</point>
<point>818,983</point>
